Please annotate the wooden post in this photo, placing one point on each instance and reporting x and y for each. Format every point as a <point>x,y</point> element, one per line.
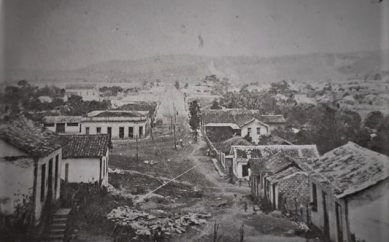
<point>137,148</point>
<point>215,229</point>
<point>241,233</point>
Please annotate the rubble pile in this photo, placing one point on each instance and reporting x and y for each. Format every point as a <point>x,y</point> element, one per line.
<point>144,223</point>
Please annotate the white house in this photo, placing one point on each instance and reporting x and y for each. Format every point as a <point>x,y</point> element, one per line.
<point>30,167</point>
<point>88,92</point>
<point>85,159</point>
<point>350,194</point>
<point>63,124</point>
<point>254,129</point>
<point>242,154</point>
<point>117,123</point>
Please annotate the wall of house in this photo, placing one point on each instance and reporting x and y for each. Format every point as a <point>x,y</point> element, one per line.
<point>68,129</point>
<point>369,213</point>
<point>9,151</point>
<point>238,170</point>
<point>115,128</point>
<point>317,217</point>
<point>39,204</point>
<point>264,131</point>
<point>86,170</point>
<point>16,184</point>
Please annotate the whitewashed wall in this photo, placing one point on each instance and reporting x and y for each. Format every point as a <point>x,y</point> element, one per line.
<point>38,203</point>
<point>17,179</point>
<point>115,128</point>
<point>86,170</point>
<point>264,131</point>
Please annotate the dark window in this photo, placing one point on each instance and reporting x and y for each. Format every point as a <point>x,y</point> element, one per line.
<point>140,131</point>
<point>86,130</point>
<point>60,128</point>
<point>248,131</point>
<point>49,125</point>
<point>56,175</point>
<point>245,170</point>
<point>121,132</point>
<point>43,181</point>
<point>258,130</point>
<point>314,197</point>
<point>339,222</point>
<point>72,124</point>
<point>109,131</point>
<point>66,172</point>
<point>131,132</point>
<point>98,130</point>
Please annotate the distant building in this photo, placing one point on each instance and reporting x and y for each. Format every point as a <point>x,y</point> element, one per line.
<point>85,159</point>
<point>30,167</point>
<point>282,183</point>
<point>350,194</point>
<point>117,123</point>
<point>88,92</point>
<point>63,124</point>
<point>246,123</point>
<point>242,154</point>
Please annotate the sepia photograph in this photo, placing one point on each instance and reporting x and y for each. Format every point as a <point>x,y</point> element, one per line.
<point>194,120</point>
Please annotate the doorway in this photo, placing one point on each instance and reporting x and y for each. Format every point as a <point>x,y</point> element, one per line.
<point>60,128</point>
<point>121,132</point>
<point>50,181</point>
<point>325,216</point>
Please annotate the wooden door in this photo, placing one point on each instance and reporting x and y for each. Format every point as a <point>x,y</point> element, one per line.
<point>60,128</point>
<point>121,132</point>
<point>325,215</point>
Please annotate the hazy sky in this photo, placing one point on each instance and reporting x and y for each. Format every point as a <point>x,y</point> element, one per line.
<point>63,34</point>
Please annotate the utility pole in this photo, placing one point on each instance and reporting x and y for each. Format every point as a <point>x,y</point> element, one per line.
<point>215,229</point>
<point>241,233</point>
<point>137,147</point>
<point>174,126</point>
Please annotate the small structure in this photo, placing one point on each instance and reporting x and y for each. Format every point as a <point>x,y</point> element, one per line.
<point>246,123</point>
<point>30,166</point>
<point>224,148</point>
<point>242,154</point>
<point>88,92</point>
<point>63,124</point>
<point>349,194</point>
<point>255,129</point>
<point>85,159</point>
<point>280,182</point>
<point>117,123</point>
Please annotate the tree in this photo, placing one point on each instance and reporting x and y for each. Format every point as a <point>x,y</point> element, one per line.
<point>215,105</point>
<point>373,119</point>
<point>177,85</point>
<point>194,121</point>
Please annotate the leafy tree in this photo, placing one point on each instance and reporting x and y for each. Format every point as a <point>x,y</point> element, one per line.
<point>194,121</point>
<point>177,85</point>
<point>373,119</point>
<point>215,105</point>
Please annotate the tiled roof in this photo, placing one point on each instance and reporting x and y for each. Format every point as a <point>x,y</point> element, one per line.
<point>239,116</point>
<point>29,137</point>
<point>225,146</point>
<point>351,168</point>
<point>62,119</point>
<point>139,106</point>
<point>272,140</point>
<point>259,151</point>
<point>277,163</point>
<point>117,113</point>
<point>231,125</point>
<point>293,185</point>
<point>85,146</point>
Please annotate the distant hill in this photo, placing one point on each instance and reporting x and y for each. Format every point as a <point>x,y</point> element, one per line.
<point>242,69</point>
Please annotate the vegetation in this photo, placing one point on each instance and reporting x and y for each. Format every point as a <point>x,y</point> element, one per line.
<point>194,121</point>
<point>215,105</point>
<point>24,98</point>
